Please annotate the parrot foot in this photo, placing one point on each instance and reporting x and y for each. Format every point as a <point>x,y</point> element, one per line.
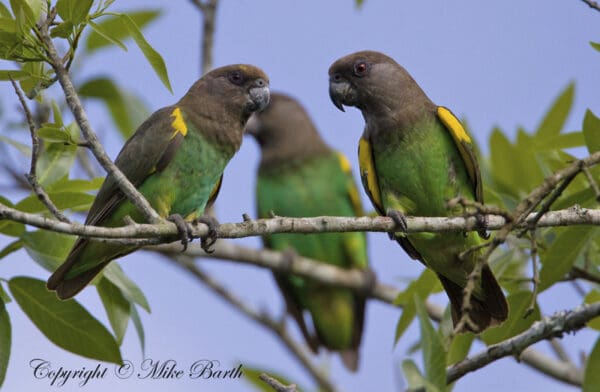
<point>184,230</point>
<point>400,221</point>
<point>207,241</point>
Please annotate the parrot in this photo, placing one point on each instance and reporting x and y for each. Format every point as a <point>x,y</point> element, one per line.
<point>299,175</point>
<point>414,157</point>
<point>176,160</point>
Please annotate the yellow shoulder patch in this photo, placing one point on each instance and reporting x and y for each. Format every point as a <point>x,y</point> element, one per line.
<point>368,174</point>
<point>351,186</point>
<point>178,124</point>
<point>453,125</point>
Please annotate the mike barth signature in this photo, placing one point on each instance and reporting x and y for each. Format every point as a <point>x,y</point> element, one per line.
<point>147,369</point>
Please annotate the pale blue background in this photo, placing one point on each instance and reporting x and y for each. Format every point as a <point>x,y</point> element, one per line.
<point>495,63</point>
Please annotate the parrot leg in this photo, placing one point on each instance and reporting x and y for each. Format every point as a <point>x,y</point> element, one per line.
<point>207,241</point>
<point>184,230</point>
<point>400,221</point>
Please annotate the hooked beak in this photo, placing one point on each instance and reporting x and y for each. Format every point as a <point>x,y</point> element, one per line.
<point>340,92</point>
<point>259,95</point>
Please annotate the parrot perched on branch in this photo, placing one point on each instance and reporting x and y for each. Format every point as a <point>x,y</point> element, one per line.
<point>414,157</point>
<point>300,176</point>
<point>176,160</point>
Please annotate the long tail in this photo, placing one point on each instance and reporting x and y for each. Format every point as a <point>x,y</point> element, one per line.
<point>485,312</point>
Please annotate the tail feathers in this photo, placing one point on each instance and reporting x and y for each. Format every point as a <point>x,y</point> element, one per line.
<point>350,359</point>
<point>487,312</point>
<point>68,288</point>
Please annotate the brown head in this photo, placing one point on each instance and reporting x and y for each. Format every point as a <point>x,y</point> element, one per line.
<point>378,86</point>
<point>285,132</point>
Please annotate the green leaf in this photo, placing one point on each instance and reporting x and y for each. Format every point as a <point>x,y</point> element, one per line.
<point>555,119</point>
<point>459,347</point>
<point>74,201</point>
<point>423,286</point>
<point>153,57</point>
<point>57,114</point>
<point>10,248</point>
<point>560,256</point>
<point>595,45</point>
<point>592,297</point>
<point>517,303</point>
<point>48,249</point>
<point>562,141</point>
<point>591,376</point>
<point>107,35</point>
<point>55,162</point>
<point>434,355</point>
<point>139,327</point>
<point>4,12</point>
<point>62,30</point>
<point>113,30</point>
<point>591,131</point>
<point>4,295</point>
<point>23,148</point>
<point>73,11</point>
<point>23,14</point>
<point>8,227</point>
<point>116,306</point>
<point>53,135</point>
<point>127,111</point>
<point>75,185</point>
<point>414,378</point>
<point>65,323</point>
<point>5,340</point>
<point>130,290</point>
<point>14,74</point>
<point>359,3</point>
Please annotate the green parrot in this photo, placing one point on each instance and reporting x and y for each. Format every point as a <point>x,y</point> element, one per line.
<point>176,160</point>
<point>300,176</point>
<point>415,156</point>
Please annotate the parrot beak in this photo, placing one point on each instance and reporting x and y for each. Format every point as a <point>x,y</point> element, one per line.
<point>340,91</point>
<point>259,95</point>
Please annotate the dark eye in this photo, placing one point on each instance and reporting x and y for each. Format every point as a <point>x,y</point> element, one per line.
<point>236,77</point>
<point>361,68</point>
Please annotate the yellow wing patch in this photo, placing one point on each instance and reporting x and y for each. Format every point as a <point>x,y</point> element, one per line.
<point>351,187</point>
<point>454,126</point>
<point>178,124</point>
<point>368,174</point>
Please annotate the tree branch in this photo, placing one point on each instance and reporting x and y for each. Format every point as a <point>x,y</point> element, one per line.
<point>35,152</point>
<point>555,326</point>
<point>277,327</point>
<point>276,385</point>
<point>594,5</point>
<point>90,136</point>
<point>208,9</point>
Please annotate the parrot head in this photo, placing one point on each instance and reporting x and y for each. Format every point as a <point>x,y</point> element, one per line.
<point>369,81</point>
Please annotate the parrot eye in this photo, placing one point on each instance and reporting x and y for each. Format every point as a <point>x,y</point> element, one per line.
<point>360,69</point>
<point>236,77</point>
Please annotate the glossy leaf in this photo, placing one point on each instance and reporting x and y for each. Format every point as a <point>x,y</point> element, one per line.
<point>516,323</point>
<point>130,290</point>
<point>65,323</point>
<point>11,248</point>
<point>556,117</point>
<point>560,256</point>
<point>8,227</point>
<point>62,30</point>
<point>13,74</point>
<point>5,340</point>
<point>591,131</point>
<point>592,297</point>
<point>47,248</point>
<point>422,287</point>
<point>53,135</point>
<point>73,11</point>
<point>459,347</point>
<point>74,201</point>
<point>4,12</point>
<point>75,185</point>
<point>112,30</point>
<point>153,57</point>
<point>23,148</point>
<point>595,45</point>
<point>116,306</point>
<point>591,375</point>
<point>55,162</point>
<point>434,355</point>
<point>137,323</point>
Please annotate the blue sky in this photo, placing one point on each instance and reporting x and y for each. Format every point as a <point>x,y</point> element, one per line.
<point>494,63</point>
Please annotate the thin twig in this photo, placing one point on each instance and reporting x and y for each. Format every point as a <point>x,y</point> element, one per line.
<point>208,9</point>
<point>559,350</point>
<point>581,273</point>
<point>535,278</point>
<point>592,182</point>
<point>555,326</point>
<point>76,107</point>
<point>592,4</point>
<point>276,385</point>
<point>35,152</point>
<point>261,318</point>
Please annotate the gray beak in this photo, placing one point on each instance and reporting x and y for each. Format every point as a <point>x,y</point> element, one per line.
<point>340,91</point>
<point>259,95</point>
